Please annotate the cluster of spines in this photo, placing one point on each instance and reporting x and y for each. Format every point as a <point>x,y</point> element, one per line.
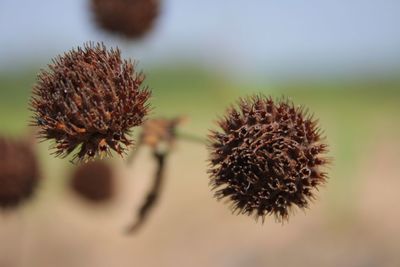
<point>90,98</point>
<point>267,158</point>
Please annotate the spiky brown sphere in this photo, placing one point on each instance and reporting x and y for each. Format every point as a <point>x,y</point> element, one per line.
<point>93,181</point>
<point>89,99</point>
<point>267,157</point>
<point>19,172</point>
<point>130,18</point>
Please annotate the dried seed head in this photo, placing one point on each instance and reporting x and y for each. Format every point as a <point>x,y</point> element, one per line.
<point>93,181</point>
<point>89,99</point>
<point>19,172</point>
<point>267,157</point>
<point>159,130</point>
<point>130,18</point>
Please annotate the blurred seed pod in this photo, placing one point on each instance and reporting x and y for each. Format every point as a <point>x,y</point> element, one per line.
<point>158,131</point>
<point>89,99</point>
<point>129,18</point>
<point>159,134</point>
<point>267,158</point>
<point>19,172</point>
<point>94,181</point>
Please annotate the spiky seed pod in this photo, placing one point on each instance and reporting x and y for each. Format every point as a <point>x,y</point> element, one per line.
<point>267,158</point>
<point>19,172</point>
<point>93,181</point>
<point>130,18</point>
<point>89,98</point>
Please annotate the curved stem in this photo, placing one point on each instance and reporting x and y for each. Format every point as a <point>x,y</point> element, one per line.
<point>152,196</point>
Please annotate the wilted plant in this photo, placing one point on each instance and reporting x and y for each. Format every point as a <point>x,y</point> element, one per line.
<point>89,99</point>
<point>130,18</point>
<point>267,157</point>
<point>93,181</point>
<point>160,135</point>
<point>19,172</point>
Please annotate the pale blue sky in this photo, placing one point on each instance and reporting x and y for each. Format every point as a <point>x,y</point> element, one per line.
<point>239,35</point>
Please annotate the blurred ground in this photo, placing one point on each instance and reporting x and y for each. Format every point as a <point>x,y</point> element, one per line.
<point>354,222</point>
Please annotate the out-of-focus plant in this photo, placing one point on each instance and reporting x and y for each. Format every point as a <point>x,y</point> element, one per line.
<point>130,18</point>
<point>19,172</point>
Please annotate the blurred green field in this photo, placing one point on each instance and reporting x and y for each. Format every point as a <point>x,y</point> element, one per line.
<point>201,96</point>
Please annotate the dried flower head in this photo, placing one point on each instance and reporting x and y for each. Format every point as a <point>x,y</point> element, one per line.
<point>19,172</point>
<point>93,181</point>
<point>159,130</point>
<point>89,99</point>
<point>159,134</point>
<point>267,158</point>
<point>130,18</point>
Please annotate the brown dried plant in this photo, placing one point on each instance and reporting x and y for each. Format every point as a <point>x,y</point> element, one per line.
<point>129,18</point>
<point>94,181</point>
<point>267,158</point>
<point>19,172</point>
<point>89,100</point>
<point>160,135</point>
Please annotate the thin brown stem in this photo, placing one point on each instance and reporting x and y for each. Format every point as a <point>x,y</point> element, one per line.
<point>153,195</point>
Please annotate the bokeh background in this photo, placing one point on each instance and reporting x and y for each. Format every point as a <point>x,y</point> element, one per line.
<point>340,58</point>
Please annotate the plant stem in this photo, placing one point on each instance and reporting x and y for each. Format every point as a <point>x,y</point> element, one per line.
<point>153,195</point>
